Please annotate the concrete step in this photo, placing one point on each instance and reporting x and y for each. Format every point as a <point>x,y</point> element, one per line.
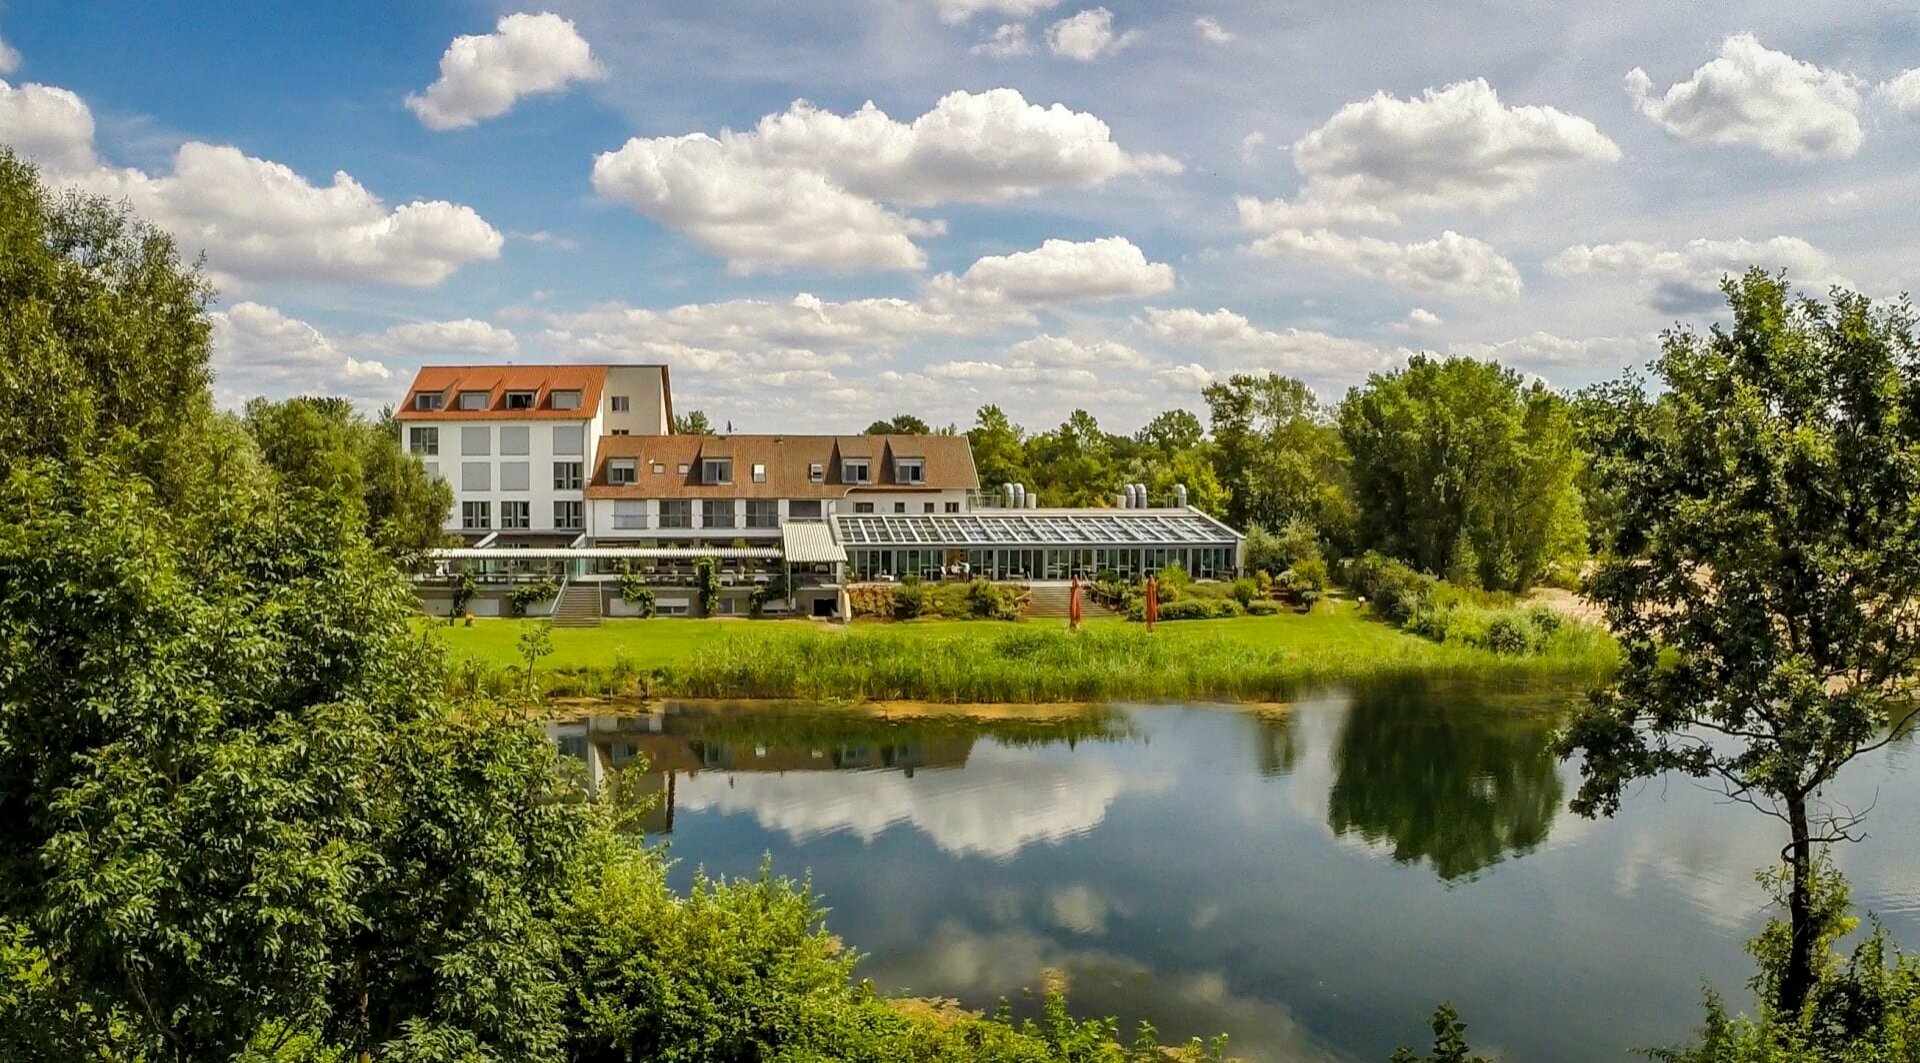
<point>578,606</point>
<point>1050,601</point>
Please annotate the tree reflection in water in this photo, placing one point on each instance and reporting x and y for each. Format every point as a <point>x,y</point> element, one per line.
<point>1458,782</point>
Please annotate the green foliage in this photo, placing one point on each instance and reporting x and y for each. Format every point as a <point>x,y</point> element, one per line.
<point>774,590</point>
<point>1307,580</point>
<point>1459,469</point>
<point>707,584</point>
<point>1449,1041</point>
<point>1763,562</point>
<point>1280,457</point>
<point>464,588</point>
<point>692,423</point>
<point>1263,607</point>
<point>635,592</point>
<point>324,445</point>
<point>1075,464</point>
<point>904,425</point>
<point>535,642</point>
<point>999,449</point>
<point>1173,583</point>
<point>1245,590</point>
<point>1188,609</point>
<point>527,595</point>
<point>1391,588</point>
<point>987,600</point>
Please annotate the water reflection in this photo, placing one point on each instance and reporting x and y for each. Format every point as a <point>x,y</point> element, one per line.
<point>1458,790</point>
<point>1311,879</point>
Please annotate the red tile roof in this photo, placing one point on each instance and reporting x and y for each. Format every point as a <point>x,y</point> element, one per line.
<point>788,460</point>
<point>496,380</point>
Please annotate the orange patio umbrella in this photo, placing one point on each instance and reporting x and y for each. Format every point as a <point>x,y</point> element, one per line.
<point>1073,605</point>
<point>1153,601</point>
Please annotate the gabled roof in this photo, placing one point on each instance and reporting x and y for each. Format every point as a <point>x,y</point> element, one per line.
<point>496,380</point>
<point>787,461</point>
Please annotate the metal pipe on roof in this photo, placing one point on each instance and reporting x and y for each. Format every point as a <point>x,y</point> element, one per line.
<point>1180,495</point>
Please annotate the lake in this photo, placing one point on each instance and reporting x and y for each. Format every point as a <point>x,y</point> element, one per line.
<point>1310,879</point>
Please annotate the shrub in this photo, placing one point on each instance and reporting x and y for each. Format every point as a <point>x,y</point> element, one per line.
<point>774,590</point>
<point>1245,591</point>
<point>1392,588</point>
<point>528,595</point>
<point>1174,583</point>
<point>987,600</point>
<point>1511,633</point>
<point>708,584</point>
<point>464,588</point>
<point>1188,609</point>
<point>1262,607</point>
<point>872,600</point>
<point>1111,591</point>
<point>911,599</point>
<point>635,592</point>
<point>1546,620</point>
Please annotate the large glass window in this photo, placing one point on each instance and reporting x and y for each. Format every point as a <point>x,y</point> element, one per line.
<point>423,440</point>
<point>676,513</point>
<point>566,515</point>
<point>623,470</point>
<point>475,516</point>
<point>566,476</point>
<point>629,514</point>
<point>763,513</point>
<point>717,513</point>
<point>516,515</point>
<point>807,509</point>
<point>716,470</point>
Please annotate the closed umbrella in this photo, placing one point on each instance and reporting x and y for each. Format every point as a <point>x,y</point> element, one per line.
<point>1153,601</point>
<point>1073,605</point>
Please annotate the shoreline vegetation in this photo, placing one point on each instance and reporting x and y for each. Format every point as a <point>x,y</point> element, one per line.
<point>1243,660</point>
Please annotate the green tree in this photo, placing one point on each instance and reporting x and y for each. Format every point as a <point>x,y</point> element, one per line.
<point>1074,465</point>
<point>1462,471</point>
<point>1279,455</point>
<point>1171,433</point>
<point>695,423</point>
<point>1763,570</point>
<point>904,425</point>
<point>999,449</point>
<point>325,445</point>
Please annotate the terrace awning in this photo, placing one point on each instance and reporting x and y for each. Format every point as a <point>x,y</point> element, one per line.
<point>808,542</point>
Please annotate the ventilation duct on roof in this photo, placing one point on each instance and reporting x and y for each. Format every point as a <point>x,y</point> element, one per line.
<point>1180,495</point>
<point>1033,499</point>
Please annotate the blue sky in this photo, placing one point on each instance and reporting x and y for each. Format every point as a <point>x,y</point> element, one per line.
<point>1055,203</point>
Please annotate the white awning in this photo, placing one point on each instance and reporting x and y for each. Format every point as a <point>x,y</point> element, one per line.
<point>810,542</point>
<point>606,553</point>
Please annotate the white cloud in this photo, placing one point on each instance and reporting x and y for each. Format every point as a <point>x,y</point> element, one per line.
<point>1250,146</point>
<point>1759,97</point>
<point>1211,30</point>
<point>259,350</point>
<point>1087,36</point>
<point>1451,148</point>
<point>1421,318</point>
<point>1687,279</point>
<point>1248,348</point>
<point>954,12</point>
<point>1189,376</point>
<point>1008,40</point>
<point>973,371</point>
<point>1903,93</point>
<point>1450,264</point>
<point>9,57</point>
<point>1544,350</point>
<point>49,125</point>
<point>444,338</point>
<point>483,76</point>
<point>804,186</point>
<point>1058,271</point>
<point>1059,352</point>
<point>742,324</point>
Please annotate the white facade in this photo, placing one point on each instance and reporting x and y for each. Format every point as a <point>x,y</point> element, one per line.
<point>510,467</point>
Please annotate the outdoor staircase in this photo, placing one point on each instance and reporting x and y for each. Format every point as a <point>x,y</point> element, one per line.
<point>577,606</point>
<point>1048,601</point>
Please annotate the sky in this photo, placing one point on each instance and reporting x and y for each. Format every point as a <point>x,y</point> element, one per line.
<point>821,213</point>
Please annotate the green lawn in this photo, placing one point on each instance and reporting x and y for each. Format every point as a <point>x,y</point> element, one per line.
<point>1332,628</point>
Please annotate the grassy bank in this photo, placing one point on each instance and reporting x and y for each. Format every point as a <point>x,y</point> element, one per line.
<point>1243,659</point>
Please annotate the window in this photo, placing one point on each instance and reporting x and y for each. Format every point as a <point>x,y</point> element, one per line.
<point>716,470</point>
<point>516,515</point>
<point>910,470</point>
<point>476,476</point>
<point>683,468</point>
<point>423,440</point>
<point>520,400</point>
<point>953,507</point>
<point>676,513</point>
<point>566,476</point>
<point>629,513</point>
<point>759,472</point>
<point>476,442</point>
<point>515,439</point>
<point>515,476</point>
<point>622,470</point>
<point>619,404</point>
<point>816,472</point>
<point>474,400</point>
<point>475,516</point>
<point>622,432</point>
<point>717,513</point>
<point>899,507</point>
<point>566,516</point>
<point>926,507</point>
<point>856,471</point>
<point>569,440</point>
<point>658,468</point>
<point>763,513</point>
<point>807,510</point>
<point>565,400</point>
<point>428,400</point>
<point>863,507</point>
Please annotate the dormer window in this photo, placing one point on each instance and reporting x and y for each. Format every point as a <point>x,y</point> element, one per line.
<point>428,400</point>
<point>910,470</point>
<point>622,470</point>
<point>816,472</point>
<point>566,400</point>
<point>474,400</point>
<point>856,471</point>
<point>520,400</point>
<point>716,470</point>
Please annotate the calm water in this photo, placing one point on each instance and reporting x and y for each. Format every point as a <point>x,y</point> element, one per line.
<point>1312,882</point>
